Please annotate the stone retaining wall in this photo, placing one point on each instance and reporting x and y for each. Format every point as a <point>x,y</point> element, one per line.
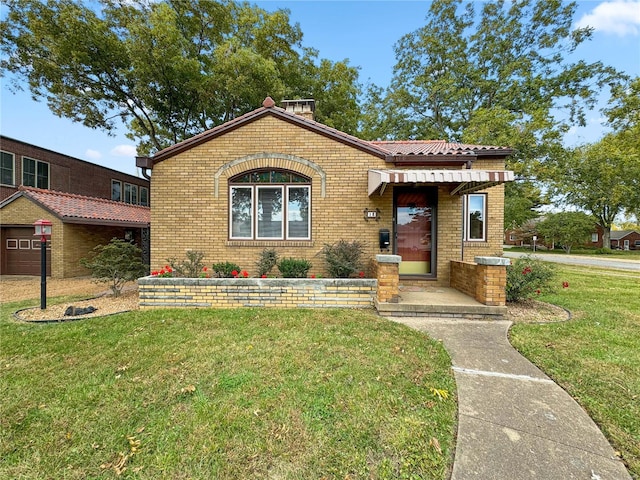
<point>157,292</point>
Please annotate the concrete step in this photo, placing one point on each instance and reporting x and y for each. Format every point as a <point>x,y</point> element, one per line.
<point>477,312</point>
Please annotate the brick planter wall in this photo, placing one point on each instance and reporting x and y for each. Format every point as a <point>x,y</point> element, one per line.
<point>157,292</point>
<point>485,279</point>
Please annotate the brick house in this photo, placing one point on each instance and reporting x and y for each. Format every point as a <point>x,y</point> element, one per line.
<point>625,239</point>
<point>274,178</point>
<point>87,203</point>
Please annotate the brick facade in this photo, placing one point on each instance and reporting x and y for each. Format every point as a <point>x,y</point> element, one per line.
<point>66,174</point>
<point>69,242</point>
<point>190,193</point>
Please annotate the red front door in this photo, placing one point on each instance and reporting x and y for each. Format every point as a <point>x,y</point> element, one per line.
<point>414,231</point>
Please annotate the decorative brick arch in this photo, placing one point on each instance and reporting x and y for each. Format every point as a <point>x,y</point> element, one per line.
<point>282,161</point>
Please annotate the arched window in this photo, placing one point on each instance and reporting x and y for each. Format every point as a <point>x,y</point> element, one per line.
<point>270,204</point>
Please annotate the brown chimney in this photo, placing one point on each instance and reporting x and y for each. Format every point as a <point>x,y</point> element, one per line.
<point>302,107</point>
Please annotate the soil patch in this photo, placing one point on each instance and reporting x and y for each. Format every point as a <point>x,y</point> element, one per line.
<point>534,311</point>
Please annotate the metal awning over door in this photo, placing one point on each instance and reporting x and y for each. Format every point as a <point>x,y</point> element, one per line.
<point>463,181</point>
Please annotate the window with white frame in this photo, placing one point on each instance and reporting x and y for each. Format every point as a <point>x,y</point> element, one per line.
<point>594,237</point>
<point>475,217</point>
<point>144,196</point>
<point>7,168</point>
<point>35,173</point>
<point>116,190</point>
<point>130,193</point>
<point>269,205</point>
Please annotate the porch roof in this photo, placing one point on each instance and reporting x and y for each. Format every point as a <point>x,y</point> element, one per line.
<point>462,181</point>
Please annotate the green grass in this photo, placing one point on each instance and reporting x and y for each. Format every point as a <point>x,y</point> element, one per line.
<point>203,394</point>
<point>617,254</point>
<point>595,356</point>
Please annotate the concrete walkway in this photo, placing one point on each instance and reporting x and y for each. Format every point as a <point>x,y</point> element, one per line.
<point>514,422</point>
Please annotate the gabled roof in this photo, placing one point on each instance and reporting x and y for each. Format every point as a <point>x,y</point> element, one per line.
<point>413,152</point>
<point>620,234</point>
<point>269,109</point>
<point>72,208</point>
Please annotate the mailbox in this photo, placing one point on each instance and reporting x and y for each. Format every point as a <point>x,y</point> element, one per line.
<point>385,238</point>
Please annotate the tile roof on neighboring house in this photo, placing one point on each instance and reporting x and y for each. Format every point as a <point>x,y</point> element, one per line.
<point>71,208</point>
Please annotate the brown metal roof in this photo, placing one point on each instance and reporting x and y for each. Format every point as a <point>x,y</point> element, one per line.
<point>72,208</point>
<point>269,108</point>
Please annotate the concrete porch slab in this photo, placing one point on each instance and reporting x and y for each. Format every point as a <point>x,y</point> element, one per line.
<point>438,302</point>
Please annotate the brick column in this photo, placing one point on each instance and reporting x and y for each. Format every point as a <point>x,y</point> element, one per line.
<point>491,280</point>
<point>388,277</point>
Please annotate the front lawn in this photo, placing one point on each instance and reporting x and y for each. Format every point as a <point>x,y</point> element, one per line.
<point>595,356</point>
<point>204,394</point>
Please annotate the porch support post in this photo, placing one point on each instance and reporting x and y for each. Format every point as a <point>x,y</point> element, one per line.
<point>388,276</point>
<point>491,280</point>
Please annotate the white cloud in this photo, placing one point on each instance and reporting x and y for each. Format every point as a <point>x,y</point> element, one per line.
<point>93,154</point>
<point>124,151</point>
<point>621,17</point>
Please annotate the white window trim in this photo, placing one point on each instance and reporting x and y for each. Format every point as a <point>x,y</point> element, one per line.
<point>308,236</point>
<point>144,189</point>
<point>467,232</point>
<point>255,196</point>
<point>594,237</point>
<point>24,157</point>
<point>251,189</point>
<point>13,169</point>
<point>113,180</point>
<point>254,212</point>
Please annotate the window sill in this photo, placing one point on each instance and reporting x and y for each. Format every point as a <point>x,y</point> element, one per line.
<point>269,243</point>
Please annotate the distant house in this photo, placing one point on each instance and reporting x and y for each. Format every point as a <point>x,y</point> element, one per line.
<point>275,178</point>
<point>87,203</point>
<point>625,239</point>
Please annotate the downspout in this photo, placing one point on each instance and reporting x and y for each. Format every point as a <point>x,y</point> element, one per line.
<point>144,164</point>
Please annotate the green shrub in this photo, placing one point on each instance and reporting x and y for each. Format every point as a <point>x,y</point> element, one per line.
<point>116,263</point>
<point>267,260</point>
<point>294,267</point>
<point>343,258</point>
<point>191,267</point>
<point>527,276</point>
<point>225,269</point>
<point>604,251</point>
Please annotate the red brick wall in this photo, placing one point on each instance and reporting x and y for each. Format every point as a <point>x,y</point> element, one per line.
<point>66,174</point>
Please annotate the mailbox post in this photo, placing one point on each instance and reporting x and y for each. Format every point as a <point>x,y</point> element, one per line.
<point>43,230</point>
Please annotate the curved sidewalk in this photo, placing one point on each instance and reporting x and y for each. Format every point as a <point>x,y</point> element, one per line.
<point>513,421</point>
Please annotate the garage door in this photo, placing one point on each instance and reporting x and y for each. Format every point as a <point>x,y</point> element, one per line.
<point>21,252</point>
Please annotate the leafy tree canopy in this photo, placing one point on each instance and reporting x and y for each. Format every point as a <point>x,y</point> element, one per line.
<point>496,72</point>
<point>602,178</point>
<point>168,69</point>
<point>566,228</point>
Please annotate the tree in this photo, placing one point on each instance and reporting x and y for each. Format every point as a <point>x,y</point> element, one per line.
<point>602,178</point>
<point>166,69</point>
<point>116,263</point>
<point>498,76</point>
<point>566,228</point>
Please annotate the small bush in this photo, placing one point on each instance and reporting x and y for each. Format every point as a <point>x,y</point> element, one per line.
<point>527,276</point>
<point>294,267</point>
<point>604,251</point>
<point>268,259</point>
<point>224,270</point>
<point>116,263</point>
<point>343,258</point>
<point>191,267</point>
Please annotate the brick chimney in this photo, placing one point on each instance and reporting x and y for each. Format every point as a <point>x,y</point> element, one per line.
<point>302,107</point>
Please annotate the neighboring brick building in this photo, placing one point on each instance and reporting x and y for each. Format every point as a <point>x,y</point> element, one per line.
<point>274,179</point>
<point>79,224</point>
<point>31,177</point>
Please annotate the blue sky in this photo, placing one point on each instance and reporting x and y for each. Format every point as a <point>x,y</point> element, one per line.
<point>363,32</point>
